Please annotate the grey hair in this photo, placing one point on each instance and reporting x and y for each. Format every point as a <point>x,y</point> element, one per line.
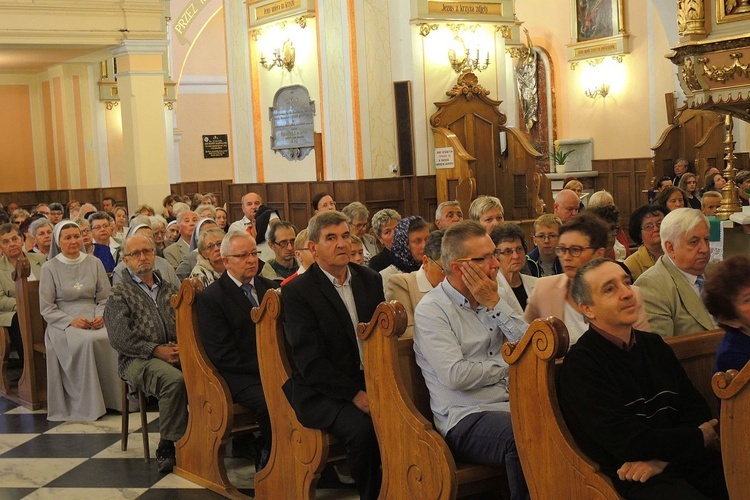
<point>157,221</point>
<point>226,243</point>
<point>356,210</point>
<point>141,219</point>
<point>601,198</point>
<point>34,227</point>
<point>434,244</point>
<point>383,217</point>
<point>453,245</point>
<point>99,216</point>
<point>322,220</point>
<point>580,290</point>
<point>678,223</point>
<point>205,206</point>
<point>214,231</point>
<point>179,208</point>
<point>449,203</point>
<point>183,213</point>
<point>482,204</point>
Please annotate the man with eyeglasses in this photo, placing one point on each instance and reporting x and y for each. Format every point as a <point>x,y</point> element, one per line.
<point>229,334</point>
<point>281,240</point>
<point>566,205</point>
<point>542,260</point>
<point>459,330</point>
<point>140,323</point>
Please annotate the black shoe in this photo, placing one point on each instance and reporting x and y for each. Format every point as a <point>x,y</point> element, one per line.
<point>165,457</point>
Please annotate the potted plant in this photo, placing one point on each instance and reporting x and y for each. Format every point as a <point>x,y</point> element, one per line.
<point>559,157</point>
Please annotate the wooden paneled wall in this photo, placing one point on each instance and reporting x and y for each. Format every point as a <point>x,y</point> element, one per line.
<point>29,199</point>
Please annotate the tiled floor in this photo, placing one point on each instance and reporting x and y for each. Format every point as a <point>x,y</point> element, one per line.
<point>82,460</point>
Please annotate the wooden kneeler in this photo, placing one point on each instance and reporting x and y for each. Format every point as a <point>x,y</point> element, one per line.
<point>298,453</point>
<point>213,417</point>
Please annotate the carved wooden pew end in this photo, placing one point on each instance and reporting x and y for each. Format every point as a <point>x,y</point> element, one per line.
<point>213,417</point>
<point>417,462</point>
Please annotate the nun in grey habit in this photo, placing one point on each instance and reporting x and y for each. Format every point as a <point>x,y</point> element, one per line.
<point>82,380</point>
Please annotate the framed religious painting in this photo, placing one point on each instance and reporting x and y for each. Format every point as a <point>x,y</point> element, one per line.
<point>597,29</point>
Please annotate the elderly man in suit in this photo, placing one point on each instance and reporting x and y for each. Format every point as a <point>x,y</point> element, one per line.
<point>672,287</point>
<point>229,333</point>
<point>322,308</point>
<point>409,288</point>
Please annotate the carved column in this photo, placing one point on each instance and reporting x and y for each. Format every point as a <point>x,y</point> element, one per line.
<point>691,19</point>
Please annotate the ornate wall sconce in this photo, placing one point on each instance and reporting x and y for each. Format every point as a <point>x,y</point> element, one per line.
<point>461,59</point>
<point>270,38</point>
<point>283,57</point>
<point>601,76</point>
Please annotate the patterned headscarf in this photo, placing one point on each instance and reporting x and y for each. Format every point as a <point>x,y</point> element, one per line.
<point>401,250</point>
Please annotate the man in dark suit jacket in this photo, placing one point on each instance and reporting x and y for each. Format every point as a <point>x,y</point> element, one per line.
<point>321,307</point>
<point>228,333</point>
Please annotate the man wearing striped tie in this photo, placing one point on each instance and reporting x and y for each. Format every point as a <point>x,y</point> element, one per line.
<point>671,288</point>
<point>228,333</point>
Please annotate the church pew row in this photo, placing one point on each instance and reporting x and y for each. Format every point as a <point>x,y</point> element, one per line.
<point>416,460</point>
<point>553,464</point>
<point>733,389</point>
<point>213,417</point>
<point>32,386</point>
<point>298,453</point>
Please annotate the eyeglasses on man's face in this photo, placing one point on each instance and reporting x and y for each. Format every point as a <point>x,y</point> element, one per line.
<point>137,254</point>
<point>575,250</point>
<point>479,260</point>
<point>547,237</point>
<point>244,256</point>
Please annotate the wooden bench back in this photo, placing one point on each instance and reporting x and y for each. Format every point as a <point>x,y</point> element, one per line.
<point>298,454</point>
<point>32,386</point>
<point>417,462</point>
<point>211,419</point>
<point>697,355</point>
<point>553,464</point>
<point>733,388</point>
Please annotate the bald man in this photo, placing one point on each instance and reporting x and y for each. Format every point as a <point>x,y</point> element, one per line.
<point>566,205</point>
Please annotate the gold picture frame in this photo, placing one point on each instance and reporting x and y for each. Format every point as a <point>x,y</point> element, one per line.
<point>597,29</point>
<point>732,11</point>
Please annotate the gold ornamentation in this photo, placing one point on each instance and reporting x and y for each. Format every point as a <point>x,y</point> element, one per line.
<point>468,86</point>
<point>691,17</point>
<point>426,28</point>
<point>517,52</point>
<point>689,76</point>
<point>169,105</point>
<point>505,31</point>
<point>111,105</point>
<point>724,73</point>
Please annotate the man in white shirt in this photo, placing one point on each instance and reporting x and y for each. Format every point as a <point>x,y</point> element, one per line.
<point>256,221</point>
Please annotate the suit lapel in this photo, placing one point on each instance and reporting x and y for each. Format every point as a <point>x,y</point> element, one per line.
<point>235,294</point>
<point>693,304</point>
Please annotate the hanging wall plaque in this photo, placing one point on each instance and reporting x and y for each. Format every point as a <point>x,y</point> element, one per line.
<point>292,122</point>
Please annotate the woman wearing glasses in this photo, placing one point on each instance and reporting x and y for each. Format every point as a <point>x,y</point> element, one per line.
<point>582,239</point>
<point>644,227</point>
<point>511,247</point>
<point>82,379</point>
<point>210,264</point>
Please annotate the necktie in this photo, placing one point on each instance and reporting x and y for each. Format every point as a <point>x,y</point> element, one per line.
<point>699,281</point>
<point>248,289</point>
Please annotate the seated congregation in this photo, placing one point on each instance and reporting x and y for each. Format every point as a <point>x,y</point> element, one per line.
<point>109,288</point>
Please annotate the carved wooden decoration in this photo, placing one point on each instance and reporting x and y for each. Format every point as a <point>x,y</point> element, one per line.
<point>298,454</point>
<point>691,18</point>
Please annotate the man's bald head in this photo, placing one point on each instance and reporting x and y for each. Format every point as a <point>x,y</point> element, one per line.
<point>566,205</point>
<point>250,204</point>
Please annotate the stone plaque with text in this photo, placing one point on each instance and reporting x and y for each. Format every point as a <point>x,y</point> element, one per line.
<point>292,122</point>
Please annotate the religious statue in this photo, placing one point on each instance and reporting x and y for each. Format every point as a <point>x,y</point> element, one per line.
<point>527,85</point>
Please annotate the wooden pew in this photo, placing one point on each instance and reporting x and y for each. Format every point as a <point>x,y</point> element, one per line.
<point>697,355</point>
<point>32,386</point>
<point>733,388</point>
<point>298,454</point>
<point>553,464</point>
<point>213,417</point>
<point>417,462</point>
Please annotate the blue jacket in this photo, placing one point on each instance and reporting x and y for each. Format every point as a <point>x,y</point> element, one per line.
<point>535,266</point>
